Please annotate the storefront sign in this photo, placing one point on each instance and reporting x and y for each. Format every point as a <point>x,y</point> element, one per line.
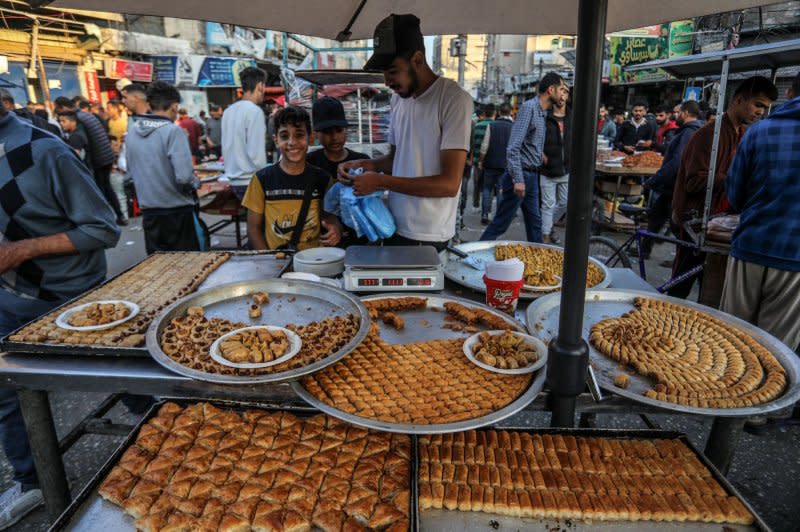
<point>92,86</point>
<point>164,67</point>
<point>693,94</point>
<point>222,71</point>
<point>648,44</point>
<point>200,71</point>
<point>681,38</point>
<point>132,70</point>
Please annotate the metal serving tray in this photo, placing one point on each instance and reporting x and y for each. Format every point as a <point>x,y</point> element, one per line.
<point>90,512</point>
<point>457,521</point>
<point>426,325</point>
<point>291,301</point>
<point>542,319</point>
<point>240,266</point>
<point>416,332</point>
<point>457,271</point>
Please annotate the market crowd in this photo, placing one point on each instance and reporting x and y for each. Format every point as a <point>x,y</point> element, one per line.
<point>63,194</point>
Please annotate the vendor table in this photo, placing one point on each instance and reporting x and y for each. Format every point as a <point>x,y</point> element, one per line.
<point>217,198</point>
<point>621,172</point>
<point>36,375</point>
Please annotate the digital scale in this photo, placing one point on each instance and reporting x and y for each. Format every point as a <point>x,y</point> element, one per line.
<point>392,268</point>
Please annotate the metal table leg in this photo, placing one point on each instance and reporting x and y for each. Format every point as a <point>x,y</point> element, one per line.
<point>722,442</point>
<point>46,454</point>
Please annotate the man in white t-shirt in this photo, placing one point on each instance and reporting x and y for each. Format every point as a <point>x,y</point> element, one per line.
<point>429,136</point>
<point>244,132</point>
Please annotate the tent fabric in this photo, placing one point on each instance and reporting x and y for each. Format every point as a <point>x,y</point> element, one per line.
<point>326,18</point>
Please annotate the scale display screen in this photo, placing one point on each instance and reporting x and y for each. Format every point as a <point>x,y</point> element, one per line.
<point>392,282</point>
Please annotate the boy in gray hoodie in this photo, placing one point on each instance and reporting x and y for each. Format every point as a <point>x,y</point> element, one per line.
<point>160,163</point>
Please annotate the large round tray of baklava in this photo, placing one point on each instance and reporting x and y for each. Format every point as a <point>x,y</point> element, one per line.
<point>329,321</point>
<point>417,380</point>
<point>678,355</point>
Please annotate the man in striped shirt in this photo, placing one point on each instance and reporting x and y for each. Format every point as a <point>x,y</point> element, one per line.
<point>524,156</point>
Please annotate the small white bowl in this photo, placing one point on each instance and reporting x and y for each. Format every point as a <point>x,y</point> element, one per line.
<point>537,344</point>
<point>62,321</point>
<point>294,347</point>
<point>325,262</point>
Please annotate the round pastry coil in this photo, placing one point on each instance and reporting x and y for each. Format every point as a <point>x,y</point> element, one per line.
<point>693,359</point>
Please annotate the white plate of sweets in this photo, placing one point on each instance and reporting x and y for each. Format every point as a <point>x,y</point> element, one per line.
<point>507,352</point>
<point>260,346</point>
<point>97,315</point>
<point>543,288</point>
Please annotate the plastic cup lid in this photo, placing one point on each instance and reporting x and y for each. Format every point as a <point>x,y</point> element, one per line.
<point>505,270</point>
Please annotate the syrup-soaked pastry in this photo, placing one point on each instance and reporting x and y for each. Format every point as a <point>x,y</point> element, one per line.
<point>390,318</point>
<point>692,358</point>
<point>187,339</point>
<point>421,383</point>
<point>254,311</point>
<point>224,479</point>
<point>588,478</point>
<point>153,284</point>
<point>260,298</point>
<point>543,266</point>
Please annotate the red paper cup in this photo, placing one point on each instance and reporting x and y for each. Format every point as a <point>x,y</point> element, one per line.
<point>502,295</point>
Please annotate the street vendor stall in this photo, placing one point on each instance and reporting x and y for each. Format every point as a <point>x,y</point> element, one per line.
<point>385,480</point>
<point>767,57</point>
<point>354,88</point>
<point>42,359</point>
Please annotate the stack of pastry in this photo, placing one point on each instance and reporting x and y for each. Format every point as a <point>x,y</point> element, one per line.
<point>694,359</point>
<point>542,265</point>
<point>567,477</point>
<point>99,314</point>
<point>254,346</point>
<point>202,468</point>
<point>188,339</point>
<point>154,284</point>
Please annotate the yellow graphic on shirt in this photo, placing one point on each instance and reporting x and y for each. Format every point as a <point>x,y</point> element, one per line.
<point>280,219</point>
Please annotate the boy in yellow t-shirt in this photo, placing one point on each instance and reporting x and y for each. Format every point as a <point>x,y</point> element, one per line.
<point>276,194</point>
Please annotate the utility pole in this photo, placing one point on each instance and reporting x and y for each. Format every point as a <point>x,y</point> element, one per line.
<point>458,48</point>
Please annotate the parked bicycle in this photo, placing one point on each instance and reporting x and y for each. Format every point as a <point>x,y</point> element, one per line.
<point>614,255</point>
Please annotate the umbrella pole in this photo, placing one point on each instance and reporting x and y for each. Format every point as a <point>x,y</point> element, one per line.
<point>568,358</point>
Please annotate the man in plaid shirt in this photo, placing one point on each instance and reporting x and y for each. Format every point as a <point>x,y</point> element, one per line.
<point>762,283</point>
<point>524,156</point>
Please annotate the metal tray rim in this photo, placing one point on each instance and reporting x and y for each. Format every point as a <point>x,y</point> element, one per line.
<point>518,404</point>
<point>445,258</point>
<point>304,286</point>
<point>785,356</point>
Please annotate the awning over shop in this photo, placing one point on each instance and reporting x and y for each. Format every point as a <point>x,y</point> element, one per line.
<point>753,58</point>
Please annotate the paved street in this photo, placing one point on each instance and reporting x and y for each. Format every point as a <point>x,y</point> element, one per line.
<point>765,468</point>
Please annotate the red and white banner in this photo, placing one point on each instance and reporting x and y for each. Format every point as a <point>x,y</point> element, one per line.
<point>132,70</point>
<point>92,86</point>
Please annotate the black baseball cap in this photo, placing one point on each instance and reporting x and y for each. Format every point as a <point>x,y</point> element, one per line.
<point>394,35</point>
<point>328,112</point>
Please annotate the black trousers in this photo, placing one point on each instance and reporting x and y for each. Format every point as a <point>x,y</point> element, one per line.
<point>658,214</point>
<point>397,240</point>
<point>170,231</point>
<point>102,176</point>
<point>685,260</point>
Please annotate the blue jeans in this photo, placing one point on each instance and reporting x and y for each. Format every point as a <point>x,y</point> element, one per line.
<point>491,185</point>
<point>13,435</point>
<point>510,202</point>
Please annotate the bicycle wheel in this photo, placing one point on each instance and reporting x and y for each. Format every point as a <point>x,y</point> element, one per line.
<point>608,252</point>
